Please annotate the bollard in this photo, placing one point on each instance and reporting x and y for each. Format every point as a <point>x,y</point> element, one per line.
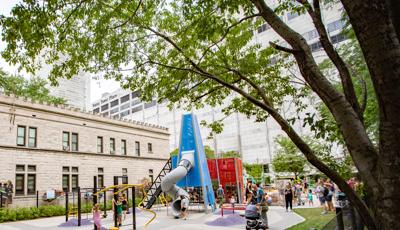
<point>37,199</point>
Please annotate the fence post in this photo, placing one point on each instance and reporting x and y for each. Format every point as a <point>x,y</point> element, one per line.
<point>114,201</point>
<point>37,199</point>
<point>1,199</point>
<point>79,206</point>
<point>133,208</point>
<point>93,196</point>
<point>66,207</point>
<point>105,204</point>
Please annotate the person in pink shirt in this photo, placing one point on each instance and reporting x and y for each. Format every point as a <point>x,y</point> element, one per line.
<point>96,216</point>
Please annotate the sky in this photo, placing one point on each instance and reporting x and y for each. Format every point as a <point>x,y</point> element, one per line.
<point>98,87</point>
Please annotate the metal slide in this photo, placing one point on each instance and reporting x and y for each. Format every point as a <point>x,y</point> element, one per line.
<point>168,184</point>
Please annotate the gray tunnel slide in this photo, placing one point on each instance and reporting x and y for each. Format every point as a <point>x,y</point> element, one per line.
<point>168,184</point>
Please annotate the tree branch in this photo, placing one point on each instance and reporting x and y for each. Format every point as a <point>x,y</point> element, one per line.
<point>284,49</point>
<point>345,77</point>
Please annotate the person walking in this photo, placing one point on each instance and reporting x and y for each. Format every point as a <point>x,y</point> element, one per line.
<point>322,192</point>
<point>264,206</point>
<point>289,197</point>
<point>260,193</point>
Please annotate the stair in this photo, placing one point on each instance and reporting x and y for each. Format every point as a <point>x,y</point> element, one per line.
<point>155,189</point>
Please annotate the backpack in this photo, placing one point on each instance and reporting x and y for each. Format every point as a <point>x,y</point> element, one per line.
<point>326,191</point>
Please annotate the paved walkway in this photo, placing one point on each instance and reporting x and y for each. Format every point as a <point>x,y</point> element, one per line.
<point>278,219</point>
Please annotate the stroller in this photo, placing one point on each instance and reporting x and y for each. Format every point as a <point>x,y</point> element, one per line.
<point>252,216</point>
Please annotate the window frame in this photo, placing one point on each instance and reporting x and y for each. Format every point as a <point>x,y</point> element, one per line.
<point>33,192</point>
<point>123,147</point>
<point>68,147</point>
<point>101,144</point>
<point>34,138</point>
<point>137,148</point>
<point>112,145</point>
<point>150,147</point>
<point>20,192</point>
<point>72,142</point>
<point>23,137</point>
<point>68,187</point>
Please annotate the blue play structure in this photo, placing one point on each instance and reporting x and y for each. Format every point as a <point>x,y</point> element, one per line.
<point>189,168</point>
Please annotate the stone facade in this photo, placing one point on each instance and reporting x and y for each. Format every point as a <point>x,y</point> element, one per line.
<point>49,157</point>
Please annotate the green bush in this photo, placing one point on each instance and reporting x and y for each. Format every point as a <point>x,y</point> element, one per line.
<point>14,214</point>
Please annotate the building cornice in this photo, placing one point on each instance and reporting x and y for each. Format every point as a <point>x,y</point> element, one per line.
<point>69,153</point>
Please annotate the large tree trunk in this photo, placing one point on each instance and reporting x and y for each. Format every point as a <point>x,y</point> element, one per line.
<point>373,23</point>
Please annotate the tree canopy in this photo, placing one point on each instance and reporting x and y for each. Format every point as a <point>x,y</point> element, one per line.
<point>34,88</point>
<point>288,158</point>
<point>194,53</point>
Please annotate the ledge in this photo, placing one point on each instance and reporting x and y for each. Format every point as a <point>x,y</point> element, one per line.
<point>81,153</point>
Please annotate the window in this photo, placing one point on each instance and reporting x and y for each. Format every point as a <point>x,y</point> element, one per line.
<point>137,109</point>
<point>66,169</point>
<point>114,110</point>
<point>74,143</point>
<point>20,184</point>
<point>150,104</point>
<point>21,135</point>
<point>114,103</point>
<point>31,184</point>
<point>65,140</point>
<point>75,170</point>
<point>96,110</point>
<point>104,107</point>
<point>125,106</point>
<point>112,146</point>
<point>266,168</point>
<point>125,113</point>
<point>316,46</point>
<point>338,38</point>
<point>336,25</point>
<point>29,173</point>
<point>263,28</point>
<point>65,183</point>
<point>32,137</point>
<point>123,147</point>
<point>124,171</point>
<point>74,182</point>
<point>100,144</point>
<point>135,94</point>
<point>137,148</point>
<point>135,102</point>
<point>125,98</point>
<point>100,181</point>
<point>150,147</point>
<point>311,35</point>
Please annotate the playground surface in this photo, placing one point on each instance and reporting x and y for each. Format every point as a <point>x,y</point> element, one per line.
<point>278,219</point>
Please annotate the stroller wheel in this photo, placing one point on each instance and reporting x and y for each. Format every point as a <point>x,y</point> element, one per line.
<point>247,228</point>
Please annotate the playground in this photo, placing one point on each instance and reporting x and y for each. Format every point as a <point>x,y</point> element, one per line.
<point>197,219</point>
<point>183,187</point>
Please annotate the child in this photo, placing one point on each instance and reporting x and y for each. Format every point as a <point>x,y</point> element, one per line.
<point>310,198</point>
<point>118,206</point>
<point>96,216</point>
<point>124,205</point>
<point>184,207</point>
<point>232,201</point>
<point>264,209</point>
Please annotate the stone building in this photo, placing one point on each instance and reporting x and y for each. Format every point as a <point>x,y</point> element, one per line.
<point>44,147</point>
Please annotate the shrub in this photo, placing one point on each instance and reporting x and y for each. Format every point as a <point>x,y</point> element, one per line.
<point>14,214</point>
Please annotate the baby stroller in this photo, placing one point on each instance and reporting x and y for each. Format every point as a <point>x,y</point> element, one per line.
<point>252,216</point>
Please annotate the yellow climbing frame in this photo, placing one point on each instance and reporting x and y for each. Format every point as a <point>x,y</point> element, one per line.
<point>123,187</point>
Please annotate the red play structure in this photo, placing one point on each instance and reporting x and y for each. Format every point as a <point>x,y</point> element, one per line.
<point>228,173</point>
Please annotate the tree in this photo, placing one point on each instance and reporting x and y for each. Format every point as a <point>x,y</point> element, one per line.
<point>196,53</point>
<point>288,158</point>
<point>254,170</point>
<point>229,154</point>
<point>35,88</point>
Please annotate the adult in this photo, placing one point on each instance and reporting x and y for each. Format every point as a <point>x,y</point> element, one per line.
<point>321,191</point>
<point>220,195</point>
<point>298,192</point>
<point>254,194</point>
<point>288,196</point>
<point>248,191</point>
<point>264,209</point>
<point>329,194</point>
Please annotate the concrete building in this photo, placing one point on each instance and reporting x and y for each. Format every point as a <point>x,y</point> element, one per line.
<point>254,141</point>
<point>44,147</point>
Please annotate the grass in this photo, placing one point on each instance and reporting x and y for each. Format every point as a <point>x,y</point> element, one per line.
<point>313,219</point>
